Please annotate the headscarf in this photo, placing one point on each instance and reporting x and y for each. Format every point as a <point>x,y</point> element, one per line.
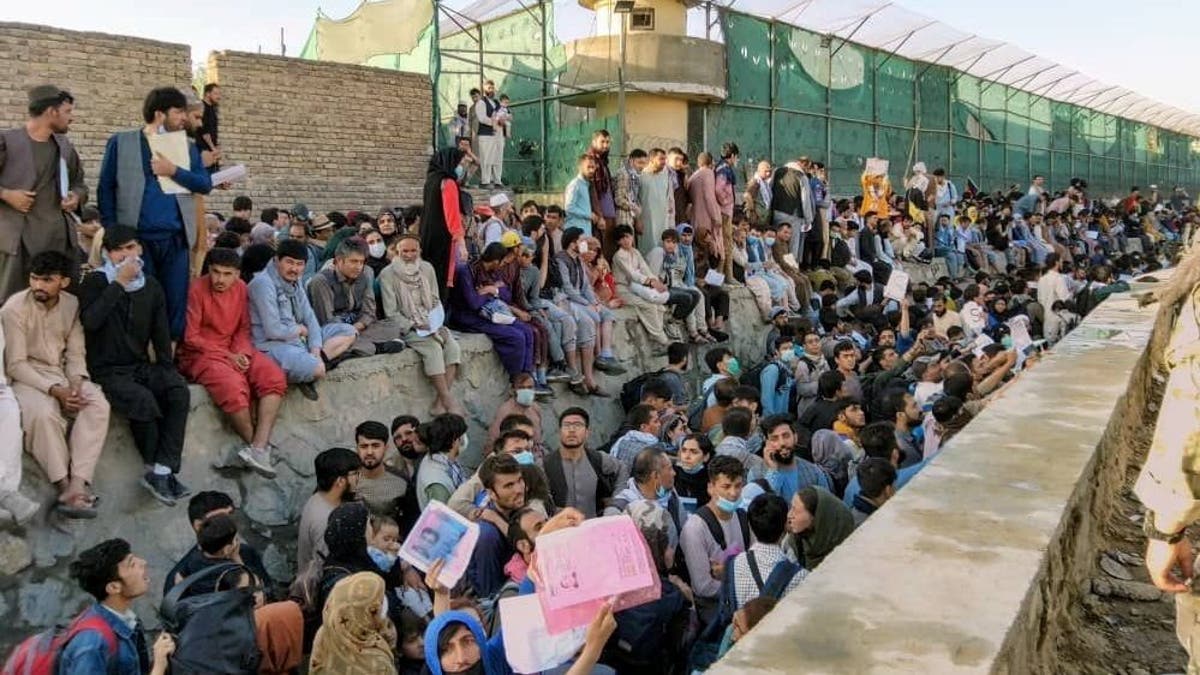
<point>262,233</point>
<point>435,232</point>
<point>279,634</point>
<point>346,538</point>
<point>110,272</point>
<point>832,522</point>
<point>353,637</point>
<point>830,453</point>
<point>417,298</point>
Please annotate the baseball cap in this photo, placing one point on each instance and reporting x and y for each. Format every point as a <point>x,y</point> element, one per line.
<point>510,239</point>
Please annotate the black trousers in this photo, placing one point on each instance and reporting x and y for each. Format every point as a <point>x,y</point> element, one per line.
<point>155,400</point>
<point>682,302</point>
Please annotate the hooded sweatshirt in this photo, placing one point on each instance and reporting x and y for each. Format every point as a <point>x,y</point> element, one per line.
<point>491,652</point>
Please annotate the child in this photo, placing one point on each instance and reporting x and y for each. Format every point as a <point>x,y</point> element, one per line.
<point>218,542</point>
<point>410,640</point>
<point>383,545</point>
<point>503,117</point>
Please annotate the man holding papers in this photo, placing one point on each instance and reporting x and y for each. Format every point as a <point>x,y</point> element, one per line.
<point>41,183</point>
<point>147,180</point>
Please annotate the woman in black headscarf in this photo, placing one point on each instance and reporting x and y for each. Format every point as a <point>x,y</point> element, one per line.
<point>346,541</point>
<point>443,233</point>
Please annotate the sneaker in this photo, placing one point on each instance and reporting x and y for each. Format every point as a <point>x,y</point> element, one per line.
<point>178,490</point>
<point>558,374</point>
<point>542,391</point>
<point>19,507</point>
<point>258,459</point>
<point>159,487</point>
<point>609,365</point>
<point>309,390</point>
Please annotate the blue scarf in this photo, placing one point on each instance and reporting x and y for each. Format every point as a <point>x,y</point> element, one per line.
<point>110,271</point>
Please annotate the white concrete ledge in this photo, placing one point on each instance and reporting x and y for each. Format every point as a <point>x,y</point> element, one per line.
<point>957,572</point>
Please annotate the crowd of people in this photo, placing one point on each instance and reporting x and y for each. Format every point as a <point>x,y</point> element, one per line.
<point>741,482</point>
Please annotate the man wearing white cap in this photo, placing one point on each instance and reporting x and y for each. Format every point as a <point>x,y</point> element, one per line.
<point>497,225</point>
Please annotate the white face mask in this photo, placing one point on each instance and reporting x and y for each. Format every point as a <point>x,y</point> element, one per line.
<point>377,249</point>
<point>583,247</point>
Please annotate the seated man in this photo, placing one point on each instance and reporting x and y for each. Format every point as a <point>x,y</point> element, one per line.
<point>111,573</point>
<point>216,352</point>
<point>15,508</point>
<point>344,294</point>
<point>124,314</point>
<point>44,356</point>
<point>201,508</point>
<point>515,442</point>
<point>283,324</point>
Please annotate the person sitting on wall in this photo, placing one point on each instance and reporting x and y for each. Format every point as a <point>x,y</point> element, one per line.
<point>344,294</point>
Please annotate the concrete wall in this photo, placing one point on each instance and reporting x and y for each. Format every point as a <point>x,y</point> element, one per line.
<point>331,135</point>
<point>35,590</point>
<point>973,567</point>
<point>109,75</point>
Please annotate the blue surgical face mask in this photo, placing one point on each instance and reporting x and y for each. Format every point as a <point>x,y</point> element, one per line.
<point>727,506</point>
<point>693,470</point>
<point>1006,341</point>
<point>382,559</point>
<point>525,397</point>
<point>524,457</point>
<point>661,493</point>
<point>752,239</point>
<point>769,241</point>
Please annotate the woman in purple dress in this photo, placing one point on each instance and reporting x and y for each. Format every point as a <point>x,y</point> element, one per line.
<point>476,285</point>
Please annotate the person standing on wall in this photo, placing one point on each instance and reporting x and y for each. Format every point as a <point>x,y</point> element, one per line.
<point>206,138</point>
<point>34,207</point>
<point>603,200</point>
<point>490,139</point>
<point>130,194</point>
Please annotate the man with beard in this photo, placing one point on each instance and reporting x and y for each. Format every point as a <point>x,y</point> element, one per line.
<point>217,352</point>
<point>677,173</point>
<point>490,138</point>
<point>505,484</point>
<point>603,200</point>
<point>580,211</point>
<point>792,204</point>
<point>787,473</point>
<point>129,194</point>
<point>44,357</point>
<point>338,471</point>
<point>656,200</point>
<point>34,208</point>
<point>408,445</point>
<point>380,486</point>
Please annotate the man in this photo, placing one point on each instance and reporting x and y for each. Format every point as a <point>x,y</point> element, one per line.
<point>34,207</point>
<point>879,440</point>
<point>726,191</point>
<point>577,199</point>
<point>115,577</point>
<point>738,425</point>
<point>901,408</point>
<point>947,194</point>
<point>677,179</point>
<point>505,484</point>
<point>489,137</point>
<point>298,231</point>
<point>1052,288</point>
<point>554,219</point>
<point>671,268</point>
<point>45,360</point>
<point>651,480</point>
<point>593,321</point>
<point>845,361</point>
<point>776,380</point>
<point>130,194</point>
<point>628,190</point>
<point>206,138</point>
<point>284,326</point>
<point>877,479</point>
<point>792,205</point>
<point>786,473</point>
<point>644,424</point>
<point>201,507</point>
<point>343,296</point>
<point>929,371</point>
<point>381,487</point>
<point>944,318</point>
<point>657,203</point>
<point>411,450</point>
<point>714,533</point>
<point>578,476</point>
<point>497,225</point>
<point>601,194</point>
<point>788,263</point>
<point>124,314</point>
<point>974,316</point>
<point>217,353</point>
<point>460,126</point>
<point>675,374</point>
<point>767,515</point>
<point>472,124</point>
<point>338,471</point>
<point>822,413</point>
<point>809,368</point>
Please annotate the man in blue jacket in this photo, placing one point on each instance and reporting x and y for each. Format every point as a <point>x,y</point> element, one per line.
<point>112,574</point>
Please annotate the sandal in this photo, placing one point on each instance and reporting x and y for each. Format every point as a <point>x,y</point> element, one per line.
<point>596,391</point>
<point>579,388</point>
<point>77,507</point>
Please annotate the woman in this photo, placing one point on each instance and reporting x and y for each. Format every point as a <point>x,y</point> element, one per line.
<point>376,251</point>
<point>355,635</point>
<point>279,634</point>
<point>346,541</point>
<point>386,224</point>
<point>443,235</point>
<point>408,290</point>
<point>639,286</point>
<point>817,522</point>
<point>691,472</point>
<point>481,283</point>
<point>834,455</point>
<point>439,475</point>
<point>997,319</point>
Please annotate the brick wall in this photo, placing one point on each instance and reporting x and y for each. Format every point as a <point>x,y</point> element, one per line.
<point>330,135</point>
<point>109,75</point>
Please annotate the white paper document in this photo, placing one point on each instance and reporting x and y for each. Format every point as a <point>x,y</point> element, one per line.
<point>528,644</point>
<point>234,173</point>
<point>897,286</point>
<point>174,146</point>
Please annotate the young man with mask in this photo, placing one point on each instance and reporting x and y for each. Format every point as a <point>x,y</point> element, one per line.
<point>338,471</point>
<point>115,577</point>
<point>217,353</point>
<point>380,486</point>
<point>129,194</point>
<point>776,379</point>
<point>715,533</point>
<point>344,295</point>
<point>786,473</point>
<point>505,484</point>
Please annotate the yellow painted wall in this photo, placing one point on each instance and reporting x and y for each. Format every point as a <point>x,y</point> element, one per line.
<point>651,121</point>
<point>670,17</point>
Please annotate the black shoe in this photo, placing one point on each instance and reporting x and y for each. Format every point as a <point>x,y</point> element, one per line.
<point>159,487</point>
<point>719,335</point>
<point>389,347</point>
<point>178,490</point>
<point>309,390</point>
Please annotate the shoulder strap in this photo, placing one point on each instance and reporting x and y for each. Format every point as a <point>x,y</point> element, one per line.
<point>744,524</point>
<point>170,603</point>
<point>781,575</point>
<point>84,622</point>
<point>714,527</point>
<point>752,562</point>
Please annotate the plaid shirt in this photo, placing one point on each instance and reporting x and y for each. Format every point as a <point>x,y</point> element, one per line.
<point>627,194</point>
<point>766,555</point>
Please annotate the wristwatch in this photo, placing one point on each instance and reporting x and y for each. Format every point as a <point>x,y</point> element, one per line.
<point>1152,532</point>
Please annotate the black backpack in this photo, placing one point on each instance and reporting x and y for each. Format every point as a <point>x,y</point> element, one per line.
<point>214,632</point>
<point>631,391</point>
